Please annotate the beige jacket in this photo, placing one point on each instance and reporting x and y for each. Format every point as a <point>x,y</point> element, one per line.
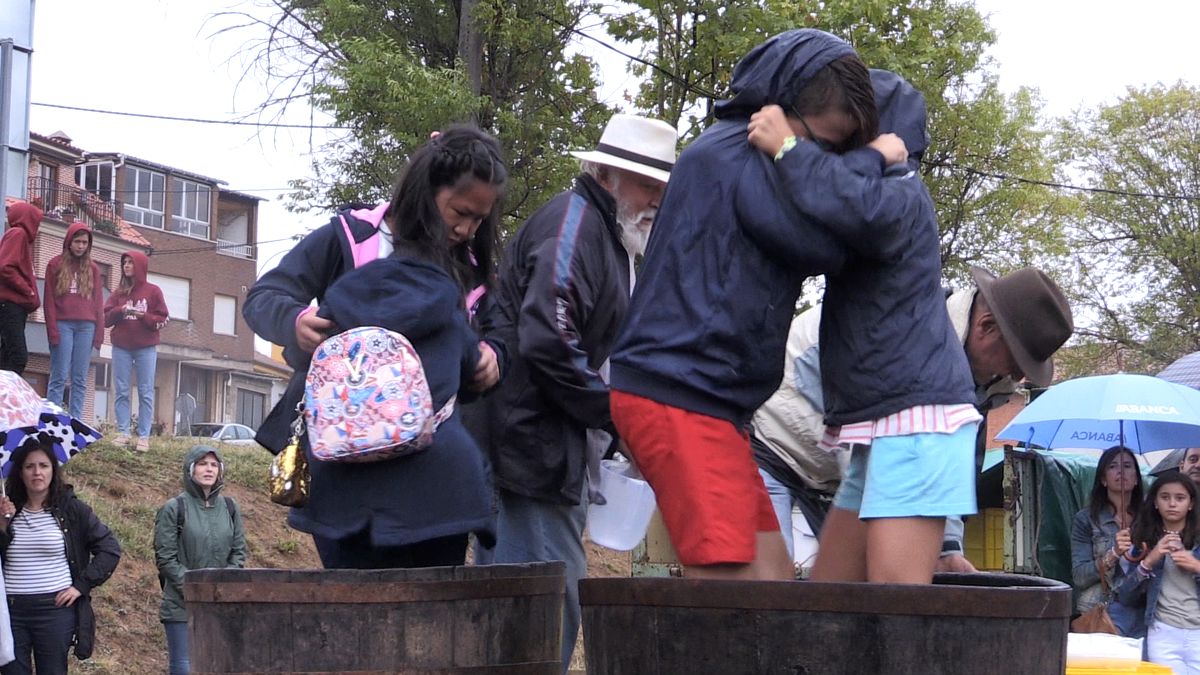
<point>791,423</point>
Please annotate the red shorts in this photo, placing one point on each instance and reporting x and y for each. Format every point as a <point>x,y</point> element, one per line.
<point>707,485</point>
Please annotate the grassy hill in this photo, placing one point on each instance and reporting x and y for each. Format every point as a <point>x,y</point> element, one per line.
<point>126,489</point>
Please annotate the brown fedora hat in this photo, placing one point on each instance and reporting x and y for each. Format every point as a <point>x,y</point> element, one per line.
<point>1033,315</point>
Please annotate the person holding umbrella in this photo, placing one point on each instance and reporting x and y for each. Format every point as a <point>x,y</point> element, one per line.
<point>1100,537</point>
<point>54,551</point>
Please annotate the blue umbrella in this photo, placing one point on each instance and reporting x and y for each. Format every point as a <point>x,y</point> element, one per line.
<point>1184,370</point>
<point>1141,412</point>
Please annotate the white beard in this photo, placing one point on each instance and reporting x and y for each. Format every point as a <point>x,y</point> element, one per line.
<point>633,235</point>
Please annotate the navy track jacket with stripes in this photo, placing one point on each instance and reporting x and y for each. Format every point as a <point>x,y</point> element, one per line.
<point>563,292</point>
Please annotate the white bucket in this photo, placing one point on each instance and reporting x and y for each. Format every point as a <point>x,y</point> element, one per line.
<point>621,522</point>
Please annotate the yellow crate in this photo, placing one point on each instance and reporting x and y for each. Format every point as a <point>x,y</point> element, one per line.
<point>983,540</point>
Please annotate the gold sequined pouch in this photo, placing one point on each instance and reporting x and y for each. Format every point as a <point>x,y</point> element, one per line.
<point>289,479</point>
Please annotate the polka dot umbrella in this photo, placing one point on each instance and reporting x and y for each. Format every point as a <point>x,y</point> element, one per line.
<point>27,419</point>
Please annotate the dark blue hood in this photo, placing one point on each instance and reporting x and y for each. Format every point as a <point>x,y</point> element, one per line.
<point>901,112</point>
<point>773,72</point>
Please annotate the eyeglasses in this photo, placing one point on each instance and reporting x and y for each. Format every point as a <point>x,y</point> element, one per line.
<point>821,143</point>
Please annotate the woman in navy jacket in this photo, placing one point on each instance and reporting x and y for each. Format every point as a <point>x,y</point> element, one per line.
<point>434,244</point>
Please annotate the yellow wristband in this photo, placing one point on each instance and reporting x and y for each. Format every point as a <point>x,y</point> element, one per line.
<point>788,144</point>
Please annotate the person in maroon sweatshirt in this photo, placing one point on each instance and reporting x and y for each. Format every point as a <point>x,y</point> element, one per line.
<point>74,316</point>
<point>136,312</point>
<point>18,286</point>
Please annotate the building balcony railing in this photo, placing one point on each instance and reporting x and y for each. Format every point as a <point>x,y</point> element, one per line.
<point>234,248</point>
<point>69,203</point>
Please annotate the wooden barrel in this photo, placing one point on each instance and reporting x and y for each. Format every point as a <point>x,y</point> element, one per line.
<point>491,619</point>
<point>980,624</point>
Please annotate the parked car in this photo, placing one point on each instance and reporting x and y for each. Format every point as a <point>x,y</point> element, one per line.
<point>233,434</point>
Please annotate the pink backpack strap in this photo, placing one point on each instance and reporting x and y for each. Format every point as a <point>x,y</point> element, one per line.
<point>368,249</point>
<point>445,412</point>
<point>473,297</point>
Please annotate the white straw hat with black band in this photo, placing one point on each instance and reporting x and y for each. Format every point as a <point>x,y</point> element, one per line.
<point>639,144</point>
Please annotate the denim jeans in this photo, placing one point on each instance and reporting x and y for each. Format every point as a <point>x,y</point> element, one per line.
<point>530,530</point>
<point>178,661</point>
<point>71,357</point>
<point>782,500</point>
<point>13,353</point>
<point>42,629</point>
<point>125,363</point>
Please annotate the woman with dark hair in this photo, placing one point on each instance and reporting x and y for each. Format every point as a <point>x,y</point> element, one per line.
<point>1167,576</point>
<point>55,551</point>
<point>408,266</point>
<point>1100,537</point>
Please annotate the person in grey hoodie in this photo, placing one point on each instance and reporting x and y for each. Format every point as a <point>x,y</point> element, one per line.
<point>199,528</point>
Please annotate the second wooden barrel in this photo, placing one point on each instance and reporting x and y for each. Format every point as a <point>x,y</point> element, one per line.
<point>977,624</point>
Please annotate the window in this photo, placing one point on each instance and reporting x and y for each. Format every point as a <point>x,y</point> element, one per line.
<point>46,188</point>
<point>224,315</point>
<point>190,208</point>
<point>143,197</point>
<point>177,292</point>
<point>105,277</point>
<point>102,376</point>
<point>250,407</point>
<point>96,178</point>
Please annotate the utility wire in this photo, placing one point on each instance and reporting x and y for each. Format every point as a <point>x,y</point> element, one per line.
<point>688,85</point>
<point>1051,184</point>
<point>216,246</point>
<point>169,118</point>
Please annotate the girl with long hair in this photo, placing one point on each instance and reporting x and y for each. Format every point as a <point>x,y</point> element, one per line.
<point>136,312</point>
<point>408,266</point>
<point>74,310</point>
<point>1167,574</point>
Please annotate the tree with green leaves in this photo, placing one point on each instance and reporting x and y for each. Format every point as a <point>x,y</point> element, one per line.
<point>392,71</point>
<point>978,136</point>
<point>1136,240</point>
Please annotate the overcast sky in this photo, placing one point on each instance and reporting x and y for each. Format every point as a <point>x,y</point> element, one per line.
<point>158,57</point>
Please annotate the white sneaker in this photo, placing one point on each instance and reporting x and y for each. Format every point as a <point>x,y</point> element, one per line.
<point>121,440</point>
<point>143,445</point>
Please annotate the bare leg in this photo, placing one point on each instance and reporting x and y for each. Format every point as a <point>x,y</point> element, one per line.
<point>843,552</point>
<point>903,550</point>
<point>771,563</point>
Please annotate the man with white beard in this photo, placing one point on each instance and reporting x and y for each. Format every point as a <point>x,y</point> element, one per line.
<point>562,293</point>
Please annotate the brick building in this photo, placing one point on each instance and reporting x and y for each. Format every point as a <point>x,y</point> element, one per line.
<point>200,238</point>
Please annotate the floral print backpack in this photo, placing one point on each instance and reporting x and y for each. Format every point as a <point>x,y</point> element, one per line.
<point>366,398</point>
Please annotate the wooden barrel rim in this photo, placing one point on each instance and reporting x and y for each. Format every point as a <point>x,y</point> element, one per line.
<point>1047,600</point>
<point>528,668</point>
<point>372,593</point>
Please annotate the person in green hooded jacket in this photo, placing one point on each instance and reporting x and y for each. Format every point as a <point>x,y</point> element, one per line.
<point>198,529</point>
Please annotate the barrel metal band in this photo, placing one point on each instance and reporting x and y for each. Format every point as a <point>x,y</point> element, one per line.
<point>374,593</point>
<point>531,668</point>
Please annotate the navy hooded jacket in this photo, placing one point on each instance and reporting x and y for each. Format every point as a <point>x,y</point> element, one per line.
<point>708,321</point>
<point>443,490</point>
<point>887,342</point>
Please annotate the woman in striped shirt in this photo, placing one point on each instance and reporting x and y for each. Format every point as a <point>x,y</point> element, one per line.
<point>54,550</point>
